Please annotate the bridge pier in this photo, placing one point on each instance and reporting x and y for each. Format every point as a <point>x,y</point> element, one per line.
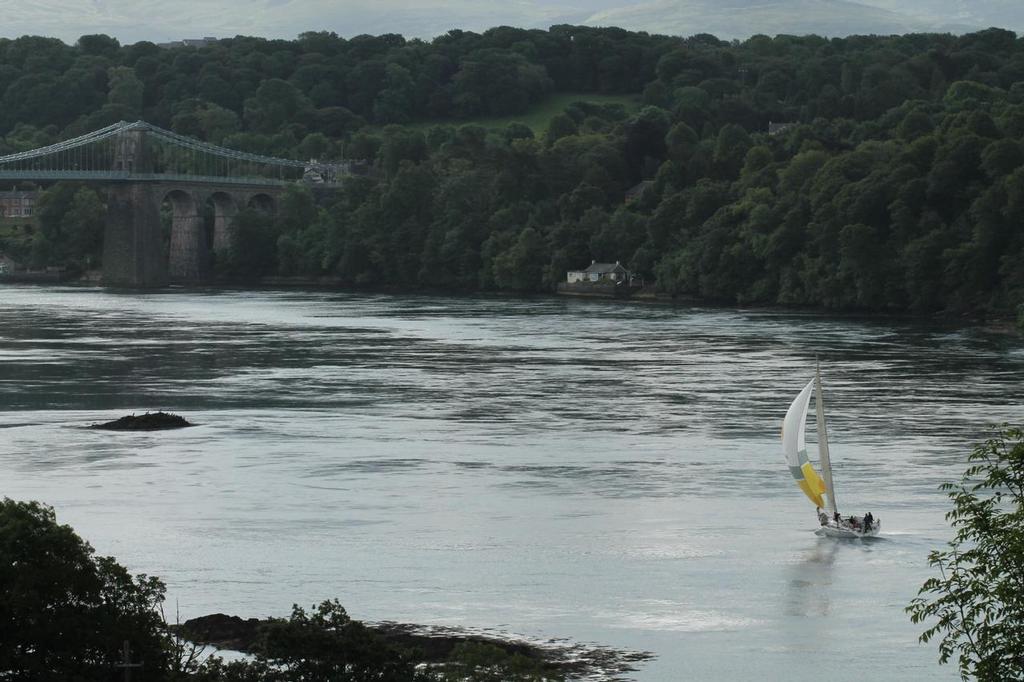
<point>132,242</point>
<point>188,259</point>
<point>225,208</point>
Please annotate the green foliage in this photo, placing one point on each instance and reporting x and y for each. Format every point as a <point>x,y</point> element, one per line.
<point>329,85</point>
<point>482,662</point>
<point>520,267</point>
<point>326,645</point>
<point>71,220</point>
<point>495,82</point>
<point>561,126</point>
<point>99,45</point>
<point>275,103</point>
<point>125,89</point>
<point>253,251</point>
<point>897,186</point>
<point>65,612</point>
<point>976,605</point>
<point>82,225</point>
<point>300,229</point>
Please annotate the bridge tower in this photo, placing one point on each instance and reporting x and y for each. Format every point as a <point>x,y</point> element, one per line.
<point>131,153</point>
<point>133,240</point>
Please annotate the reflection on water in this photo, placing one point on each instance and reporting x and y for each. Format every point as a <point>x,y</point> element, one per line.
<point>810,581</point>
<point>604,472</point>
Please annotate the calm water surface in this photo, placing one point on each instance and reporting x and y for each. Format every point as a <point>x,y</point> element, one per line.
<point>608,474</point>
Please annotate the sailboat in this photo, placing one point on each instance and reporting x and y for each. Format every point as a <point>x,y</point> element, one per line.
<point>820,489</point>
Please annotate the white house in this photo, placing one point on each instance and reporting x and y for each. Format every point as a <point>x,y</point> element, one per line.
<point>599,272</point>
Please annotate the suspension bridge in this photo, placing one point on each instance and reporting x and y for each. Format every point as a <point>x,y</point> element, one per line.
<point>142,152</point>
<point>143,168</point>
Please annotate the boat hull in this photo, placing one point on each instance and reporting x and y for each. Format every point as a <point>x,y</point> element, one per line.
<point>846,532</point>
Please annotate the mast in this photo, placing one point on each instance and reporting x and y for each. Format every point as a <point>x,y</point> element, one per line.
<point>826,463</point>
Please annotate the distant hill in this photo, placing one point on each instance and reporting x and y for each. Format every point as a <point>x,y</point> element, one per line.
<point>958,16</point>
<point>132,20</point>
<point>739,19</point>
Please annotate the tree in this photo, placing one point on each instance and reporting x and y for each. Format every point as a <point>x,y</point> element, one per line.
<point>71,219</point>
<point>82,226</point>
<point>99,44</point>
<point>731,147</point>
<point>125,88</point>
<point>520,267</point>
<point>89,605</point>
<point>497,82</point>
<point>394,103</point>
<point>977,603</point>
<point>253,253</point>
<point>275,104</point>
<point>561,125</point>
<point>326,645</point>
<point>217,122</point>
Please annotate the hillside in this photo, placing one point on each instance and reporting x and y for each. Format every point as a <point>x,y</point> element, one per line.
<point>538,117</point>
<point>898,184</point>
<point>741,19</point>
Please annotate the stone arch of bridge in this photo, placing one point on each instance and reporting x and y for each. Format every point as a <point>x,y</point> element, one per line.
<point>185,238</point>
<point>262,201</point>
<point>170,232</point>
<point>222,207</point>
<point>201,226</point>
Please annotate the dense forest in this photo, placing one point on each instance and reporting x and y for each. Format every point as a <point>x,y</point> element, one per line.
<point>898,186</point>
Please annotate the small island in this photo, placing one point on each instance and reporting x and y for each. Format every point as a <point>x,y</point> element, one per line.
<point>151,421</point>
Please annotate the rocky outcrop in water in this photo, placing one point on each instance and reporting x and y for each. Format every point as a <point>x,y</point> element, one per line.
<point>151,421</point>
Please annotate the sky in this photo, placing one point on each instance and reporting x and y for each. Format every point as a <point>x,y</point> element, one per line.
<point>164,20</point>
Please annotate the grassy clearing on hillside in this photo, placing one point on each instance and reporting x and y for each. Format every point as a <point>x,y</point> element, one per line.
<point>538,116</point>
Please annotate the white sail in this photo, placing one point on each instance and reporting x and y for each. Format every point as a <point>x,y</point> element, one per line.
<point>826,463</point>
<point>793,441</point>
<point>794,446</point>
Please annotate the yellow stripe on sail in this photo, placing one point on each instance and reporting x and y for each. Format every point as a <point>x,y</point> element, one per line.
<point>812,485</point>
<point>815,498</point>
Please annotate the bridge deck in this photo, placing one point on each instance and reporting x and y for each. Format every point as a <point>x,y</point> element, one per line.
<point>126,176</point>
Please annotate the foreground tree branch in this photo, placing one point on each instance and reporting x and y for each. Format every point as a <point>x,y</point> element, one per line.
<point>976,605</point>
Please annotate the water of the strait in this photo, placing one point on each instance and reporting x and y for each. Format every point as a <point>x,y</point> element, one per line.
<point>605,473</point>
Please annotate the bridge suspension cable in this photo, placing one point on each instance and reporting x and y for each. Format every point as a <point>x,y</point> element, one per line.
<point>142,151</point>
<point>88,138</point>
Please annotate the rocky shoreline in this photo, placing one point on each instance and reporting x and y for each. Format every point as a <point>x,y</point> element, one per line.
<point>434,645</point>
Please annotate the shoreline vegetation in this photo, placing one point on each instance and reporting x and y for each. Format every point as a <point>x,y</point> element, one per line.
<point>868,173</point>
<point>435,646</point>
